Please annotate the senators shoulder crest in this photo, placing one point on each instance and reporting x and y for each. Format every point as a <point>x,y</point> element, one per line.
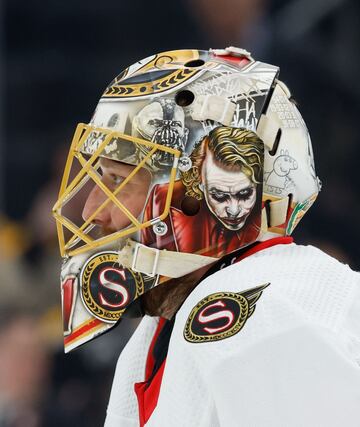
<point>221,315</point>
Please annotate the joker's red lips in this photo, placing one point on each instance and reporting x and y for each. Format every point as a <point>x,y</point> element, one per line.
<point>234,221</point>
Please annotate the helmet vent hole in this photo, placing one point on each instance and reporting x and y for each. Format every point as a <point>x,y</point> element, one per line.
<point>267,210</point>
<point>290,197</point>
<point>275,147</point>
<point>184,98</point>
<point>194,63</point>
<point>268,98</point>
<point>190,206</point>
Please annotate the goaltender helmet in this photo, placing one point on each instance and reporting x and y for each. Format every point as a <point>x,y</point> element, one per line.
<point>214,156</point>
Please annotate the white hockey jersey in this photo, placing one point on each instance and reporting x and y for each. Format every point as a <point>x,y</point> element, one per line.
<point>293,358</point>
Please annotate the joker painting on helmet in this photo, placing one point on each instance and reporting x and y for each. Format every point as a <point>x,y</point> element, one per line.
<point>193,172</point>
<point>217,199</point>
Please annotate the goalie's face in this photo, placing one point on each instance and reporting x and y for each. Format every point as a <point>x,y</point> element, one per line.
<point>111,218</point>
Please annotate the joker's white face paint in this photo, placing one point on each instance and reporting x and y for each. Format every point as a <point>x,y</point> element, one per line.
<point>229,194</point>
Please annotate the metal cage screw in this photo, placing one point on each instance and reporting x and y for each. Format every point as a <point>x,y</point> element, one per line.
<point>185,163</point>
<point>160,229</point>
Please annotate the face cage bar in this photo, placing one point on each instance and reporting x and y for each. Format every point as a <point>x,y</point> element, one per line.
<point>88,170</point>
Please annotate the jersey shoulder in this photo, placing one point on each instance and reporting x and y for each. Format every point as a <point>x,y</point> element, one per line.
<point>257,323</point>
<point>279,287</point>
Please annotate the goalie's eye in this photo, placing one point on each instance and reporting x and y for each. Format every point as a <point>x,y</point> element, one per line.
<point>116,180</point>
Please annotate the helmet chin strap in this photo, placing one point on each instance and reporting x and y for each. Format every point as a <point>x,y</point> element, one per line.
<point>153,261</point>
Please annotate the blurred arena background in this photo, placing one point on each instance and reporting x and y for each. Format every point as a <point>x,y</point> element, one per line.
<point>56,59</point>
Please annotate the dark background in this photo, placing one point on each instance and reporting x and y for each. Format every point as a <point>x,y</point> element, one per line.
<point>56,60</point>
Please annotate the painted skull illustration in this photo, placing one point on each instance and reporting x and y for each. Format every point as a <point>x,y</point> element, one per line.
<point>163,122</point>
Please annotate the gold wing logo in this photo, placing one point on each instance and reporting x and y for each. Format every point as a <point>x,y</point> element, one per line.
<point>155,84</point>
<point>154,75</point>
<point>221,315</point>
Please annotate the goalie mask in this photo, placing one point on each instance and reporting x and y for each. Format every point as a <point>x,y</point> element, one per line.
<point>190,155</point>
